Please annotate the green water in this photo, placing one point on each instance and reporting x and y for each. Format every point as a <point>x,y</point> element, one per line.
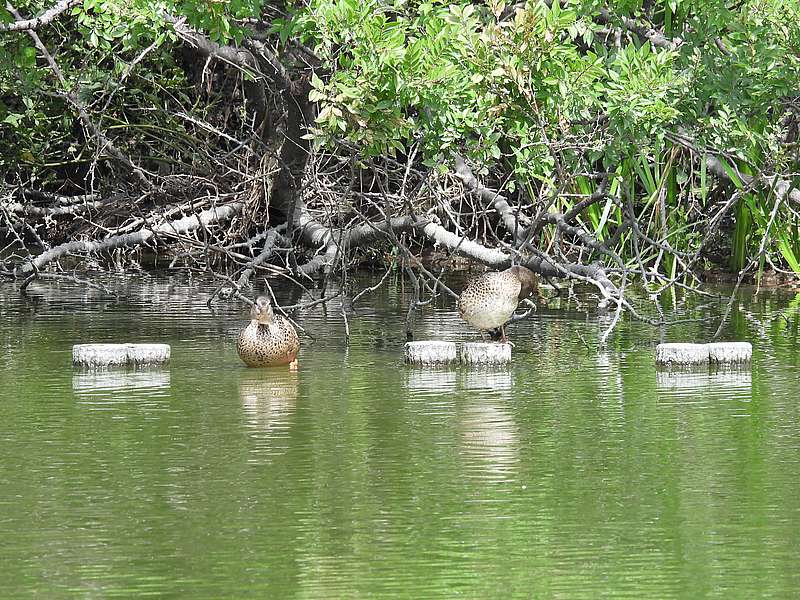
<point>571,474</point>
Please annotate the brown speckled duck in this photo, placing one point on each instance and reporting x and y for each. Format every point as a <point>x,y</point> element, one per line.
<point>489,301</point>
<point>269,340</point>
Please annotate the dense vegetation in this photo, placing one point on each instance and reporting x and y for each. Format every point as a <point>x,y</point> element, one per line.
<point>604,141</point>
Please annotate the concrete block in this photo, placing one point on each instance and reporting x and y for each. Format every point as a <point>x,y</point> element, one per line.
<point>730,353</point>
<point>717,354</point>
<point>431,353</point>
<point>483,353</point>
<point>114,355</point>
<point>681,354</point>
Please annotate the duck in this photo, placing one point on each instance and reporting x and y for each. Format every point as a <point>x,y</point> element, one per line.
<point>489,301</point>
<point>269,340</point>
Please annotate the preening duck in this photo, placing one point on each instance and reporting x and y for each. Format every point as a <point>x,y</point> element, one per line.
<point>489,301</point>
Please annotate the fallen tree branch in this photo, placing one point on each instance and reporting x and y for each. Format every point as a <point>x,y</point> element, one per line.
<point>178,227</point>
<point>464,246</point>
<point>368,232</point>
<point>50,198</point>
<point>272,238</point>
<point>52,211</point>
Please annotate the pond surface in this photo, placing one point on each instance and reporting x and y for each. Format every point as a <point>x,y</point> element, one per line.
<point>570,474</point>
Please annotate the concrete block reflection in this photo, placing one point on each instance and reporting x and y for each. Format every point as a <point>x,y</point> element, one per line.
<point>497,382</point>
<point>431,381</point>
<point>687,387</point>
<point>92,383</point>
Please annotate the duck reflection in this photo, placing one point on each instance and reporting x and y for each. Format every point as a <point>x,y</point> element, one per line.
<point>491,441</point>
<point>490,436</point>
<point>268,398</point>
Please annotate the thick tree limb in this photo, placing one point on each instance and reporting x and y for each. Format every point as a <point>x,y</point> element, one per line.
<point>500,260</point>
<point>593,273</point>
<point>276,68</point>
<point>366,233</point>
<point>369,232</point>
<point>43,19</point>
<point>39,196</point>
<point>52,211</point>
<point>293,160</point>
<point>466,247</point>
<point>260,60</point>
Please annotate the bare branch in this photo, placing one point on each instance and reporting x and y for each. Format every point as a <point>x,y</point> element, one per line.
<point>645,32</point>
<point>712,160</point>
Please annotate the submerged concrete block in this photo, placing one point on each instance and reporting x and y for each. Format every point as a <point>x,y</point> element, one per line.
<point>431,353</point>
<point>114,355</point>
<point>483,353</point>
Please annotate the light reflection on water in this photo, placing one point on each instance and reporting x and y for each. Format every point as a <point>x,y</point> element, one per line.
<point>571,473</point>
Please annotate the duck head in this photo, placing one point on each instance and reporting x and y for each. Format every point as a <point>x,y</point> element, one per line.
<point>528,280</point>
<point>261,312</point>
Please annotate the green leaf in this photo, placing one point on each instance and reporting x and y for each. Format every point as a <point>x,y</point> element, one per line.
<point>731,173</point>
<point>13,119</point>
